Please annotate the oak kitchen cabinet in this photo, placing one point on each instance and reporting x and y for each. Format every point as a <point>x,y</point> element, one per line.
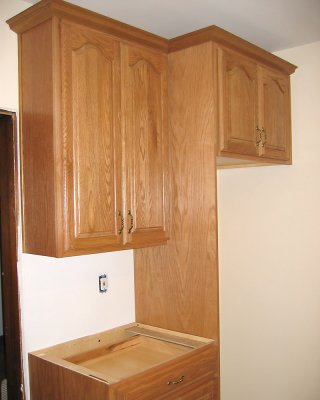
<point>96,162</point>
<point>214,80</point>
<point>254,106</point>
<point>133,362</point>
<point>93,133</point>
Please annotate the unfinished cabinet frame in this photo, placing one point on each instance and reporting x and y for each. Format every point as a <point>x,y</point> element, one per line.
<point>133,362</point>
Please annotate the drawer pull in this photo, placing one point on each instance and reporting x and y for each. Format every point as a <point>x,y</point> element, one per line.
<point>176,382</point>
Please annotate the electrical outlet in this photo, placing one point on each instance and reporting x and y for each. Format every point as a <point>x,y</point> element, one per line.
<point>103,283</point>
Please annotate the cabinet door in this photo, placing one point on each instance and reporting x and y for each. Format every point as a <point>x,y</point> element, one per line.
<point>91,140</point>
<point>238,114</point>
<point>144,102</point>
<point>274,114</point>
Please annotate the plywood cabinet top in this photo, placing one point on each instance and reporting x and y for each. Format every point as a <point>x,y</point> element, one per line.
<point>46,9</point>
<point>122,352</point>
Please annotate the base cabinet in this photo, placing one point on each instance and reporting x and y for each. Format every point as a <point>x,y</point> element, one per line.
<point>135,362</point>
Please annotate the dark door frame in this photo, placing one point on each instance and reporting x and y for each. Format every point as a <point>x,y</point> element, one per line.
<point>9,253</point>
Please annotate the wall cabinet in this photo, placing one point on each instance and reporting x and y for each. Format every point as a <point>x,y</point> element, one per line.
<point>94,125</point>
<point>254,109</point>
<point>93,138</point>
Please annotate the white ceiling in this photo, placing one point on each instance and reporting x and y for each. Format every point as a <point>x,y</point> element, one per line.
<point>270,24</point>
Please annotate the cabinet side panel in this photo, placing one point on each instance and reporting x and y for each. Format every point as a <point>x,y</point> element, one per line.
<point>46,381</point>
<point>37,153</point>
<point>176,285</point>
<point>83,387</point>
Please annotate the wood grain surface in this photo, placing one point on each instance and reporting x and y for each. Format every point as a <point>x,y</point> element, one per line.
<point>46,9</point>
<point>145,126</point>
<point>154,383</point>
<point>177,285</point>
<point>37,120</point>
<point>238,103</point>
<point>275,114</point>
<point>133,367</point>
<point>91,138</point>
<point>223,38</point>
<point>198,390</point>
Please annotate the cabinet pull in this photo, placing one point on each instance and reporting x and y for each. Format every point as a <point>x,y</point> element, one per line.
<point>122,223</point>
<point>264,133</point>
<point>258,137</point>
<point>176,382</point>
<point>131,221</point>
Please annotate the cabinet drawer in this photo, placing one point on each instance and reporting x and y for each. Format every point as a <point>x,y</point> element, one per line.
<point>169,380</point>
<point>200,390</point>
<point>133,362</point>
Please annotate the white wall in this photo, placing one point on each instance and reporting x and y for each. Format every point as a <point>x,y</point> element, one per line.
<point>269,241</point>
<point>59,297</point>
<point>9,54</point>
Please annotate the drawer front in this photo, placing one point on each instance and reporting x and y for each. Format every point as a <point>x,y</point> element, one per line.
<point>200,390</point>
<point>170,378</point>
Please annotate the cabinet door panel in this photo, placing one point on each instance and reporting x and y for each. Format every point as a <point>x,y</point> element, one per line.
<point>91,84</point>
<point>275,114</point>
<point>237,98</point>
<point>145,131</point>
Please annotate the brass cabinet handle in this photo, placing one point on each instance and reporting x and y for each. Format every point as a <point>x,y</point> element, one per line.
<point>131,221</point>
<point>122,223</point>
<point>258,137</point>
<point>264,133</point>
<point>176,382</point>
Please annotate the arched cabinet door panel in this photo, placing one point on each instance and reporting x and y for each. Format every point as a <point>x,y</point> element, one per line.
<point>91,138</point>
<point>238,103</point>
<point>253,105</point>
<point>144,94</point>
<point>275,114</point>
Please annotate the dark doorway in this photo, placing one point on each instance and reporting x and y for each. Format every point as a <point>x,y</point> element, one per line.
<point>8,238</point>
